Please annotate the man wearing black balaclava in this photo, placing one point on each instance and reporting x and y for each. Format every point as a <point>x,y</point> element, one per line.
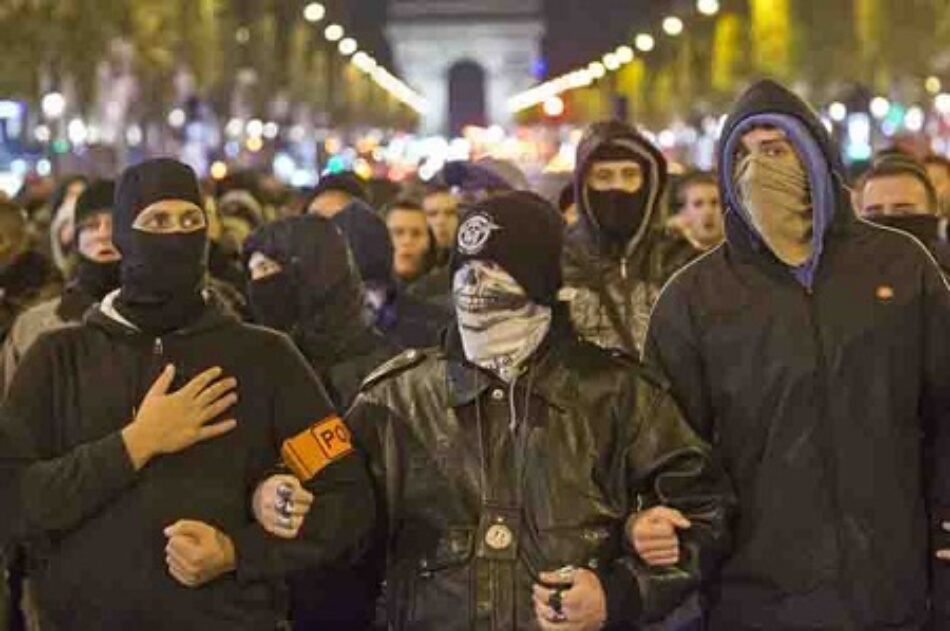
<point>96,274</point>
<point>610,268</point>
<point>130,444</point>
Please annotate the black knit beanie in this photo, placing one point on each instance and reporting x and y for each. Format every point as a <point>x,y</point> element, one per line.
<point>522,233</point>
<point>97,198</point>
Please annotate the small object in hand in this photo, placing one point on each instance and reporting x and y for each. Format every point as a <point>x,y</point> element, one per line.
<point>285,507</point>
<point>285,491</point>
<point>556,602</point>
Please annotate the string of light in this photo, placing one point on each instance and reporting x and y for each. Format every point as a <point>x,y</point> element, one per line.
<point>549,91</point>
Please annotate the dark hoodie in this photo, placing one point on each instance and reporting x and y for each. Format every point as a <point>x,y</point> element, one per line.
<point>405,321</point>
<point>317,299</point>
<point>815,384</point>
<point>597,269</point>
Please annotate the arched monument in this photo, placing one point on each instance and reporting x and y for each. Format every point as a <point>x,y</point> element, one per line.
<point>431,37</point>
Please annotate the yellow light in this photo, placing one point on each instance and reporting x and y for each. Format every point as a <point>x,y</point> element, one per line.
<point>645,42</point>
<point>314,12</point>
<point>673,26</point>
<point>219,170</point>
<point>255,144</point>
<point>334,33</point>
<point>554,106</point>
<point>707,7</point>
<point>933,85</point>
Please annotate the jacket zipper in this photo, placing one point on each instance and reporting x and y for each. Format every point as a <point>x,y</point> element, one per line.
<point>158,349</point>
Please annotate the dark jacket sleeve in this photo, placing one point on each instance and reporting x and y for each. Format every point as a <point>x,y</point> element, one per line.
<point>936,412</point>
<point>669,465</point>
<point>343,513</point>
<point>45,488</point>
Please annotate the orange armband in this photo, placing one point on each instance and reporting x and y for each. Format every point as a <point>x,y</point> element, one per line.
<point>314,449</point>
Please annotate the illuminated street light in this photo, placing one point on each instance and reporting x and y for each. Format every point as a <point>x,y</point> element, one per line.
<point>219,170</point>
<point>42,133</point>
<point>243,35</point>
<point>624,54</point>
<point>645,42</point>
<point>54,105</point>
<point>942,103</point>
<point>914,119</point>
<point>837,111</point>
<point>77,132</point>
<point>347,46</point>
<point>611,61</point>
<point>880,107</point>
<point>933,85</point>
<point>554,106</point>
<point>234,127</point>
<point>271,130</point>
<point>176,118</point>
<point>314,12</point>
<point>596,69</point>
<point>673,26</point>
<point>707,7</point>
<point>334,33</point>
<point>255,128</point>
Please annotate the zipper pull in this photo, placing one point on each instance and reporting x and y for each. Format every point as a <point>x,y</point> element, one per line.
<point>158,348</point>
<point>623,268</point>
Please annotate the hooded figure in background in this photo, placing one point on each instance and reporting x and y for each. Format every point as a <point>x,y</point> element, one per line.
<point>611,276</point>
<point>812,350</point>
<point>96,274</point>
<point>304,284</point>
<point>404,320</point>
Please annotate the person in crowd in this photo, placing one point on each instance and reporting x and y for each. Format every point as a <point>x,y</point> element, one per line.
<point>130,446</point>
<point>413,244</point>
<point>240,215</point>
<point>303,283</point>
<point>404,320</point>
<point>97,274</point>
<point>611,274</point>
<point>509,460</point>
<point>335,192</point>
<point>812,350</point>
<point>26,276</point>
<point>442,211</point>
<point>62,221</point>
<point>567,204</point>
<point>938,169</point>
<point>696,225</point>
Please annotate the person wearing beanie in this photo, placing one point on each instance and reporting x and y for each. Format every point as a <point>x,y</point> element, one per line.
<point>335,192</point>
<point>512,458</point>
<point>130,445</point>
<point>404,320</point>
<point>612,260</point>
<point>96,274</point>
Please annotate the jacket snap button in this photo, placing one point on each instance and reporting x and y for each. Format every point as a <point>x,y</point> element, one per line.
<point>498,394</point>
<point>411,354</point>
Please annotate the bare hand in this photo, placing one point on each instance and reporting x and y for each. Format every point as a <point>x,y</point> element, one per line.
<point>281,505</point>
<point>197,553</point>
<point>654,537</point>
<point>583,602</point>
<point>168,423</point>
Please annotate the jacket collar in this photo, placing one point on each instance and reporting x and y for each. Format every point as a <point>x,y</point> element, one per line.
<point>107,317</point>
<point>548,379</point>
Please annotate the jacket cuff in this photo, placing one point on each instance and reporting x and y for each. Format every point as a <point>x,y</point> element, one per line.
<point>256,554</point>
<point>113,463</point>
<point>622,595</point>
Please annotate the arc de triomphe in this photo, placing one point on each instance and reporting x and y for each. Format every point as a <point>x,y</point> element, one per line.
<point>430,37</point>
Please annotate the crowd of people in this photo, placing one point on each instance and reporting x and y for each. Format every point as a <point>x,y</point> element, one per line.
<point>710,401</point>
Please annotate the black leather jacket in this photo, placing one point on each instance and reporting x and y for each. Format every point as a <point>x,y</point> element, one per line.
<point>486,484</point>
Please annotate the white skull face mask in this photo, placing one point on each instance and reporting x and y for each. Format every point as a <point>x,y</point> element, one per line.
<point>500,326</point>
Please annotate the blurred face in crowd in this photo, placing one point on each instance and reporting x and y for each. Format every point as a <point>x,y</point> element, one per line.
<point>618,175</point>
<point>95,238</point>
<point>894,195</point>
<point>409,231</point>
<point>13,238</point>
<point>329,203</point>
<point>773,186</point>
<point>701,214</point>
<point>261,266</point>
<point>170,216</point>
<point>442,212</point>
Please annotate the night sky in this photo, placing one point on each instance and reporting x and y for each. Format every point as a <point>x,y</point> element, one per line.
<point>578,31</point>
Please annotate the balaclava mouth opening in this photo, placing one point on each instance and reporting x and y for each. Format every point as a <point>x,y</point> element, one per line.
<point>619,214</point>
<point>93,277</point>
<point>506,273</point>
<point>162,275</point>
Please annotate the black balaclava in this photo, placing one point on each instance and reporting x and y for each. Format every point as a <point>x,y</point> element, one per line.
<point>316,296</point>
<point>162,274</point>
<point>620,213</point>
<point>94,278</point>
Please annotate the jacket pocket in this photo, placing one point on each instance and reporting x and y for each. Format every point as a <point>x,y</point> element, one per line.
<point>441,583</point>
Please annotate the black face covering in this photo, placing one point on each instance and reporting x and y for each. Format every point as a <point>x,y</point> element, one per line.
<point>273,301</point>
<point>619,213</point>
<point>97,279</point>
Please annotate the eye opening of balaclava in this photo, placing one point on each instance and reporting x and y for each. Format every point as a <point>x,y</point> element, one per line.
<point>500,326</point>
<point>162,274</point>
<point>619,213</point>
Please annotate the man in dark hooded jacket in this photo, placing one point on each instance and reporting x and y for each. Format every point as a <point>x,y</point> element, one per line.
<point>611,272</point>
<point>130,446</point>
<point>812,350</point>
<point>404,320</point>
<point>96,274</point>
